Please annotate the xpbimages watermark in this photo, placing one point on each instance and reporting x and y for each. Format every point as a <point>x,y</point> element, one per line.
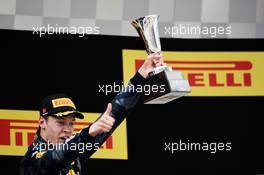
<point>81,31</point>
<point>188,29</point>
<point>80,147</point>
<point>211,147</point>
<point>116,88</point>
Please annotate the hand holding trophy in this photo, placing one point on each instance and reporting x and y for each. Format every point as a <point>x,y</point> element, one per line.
<point>174,84</point>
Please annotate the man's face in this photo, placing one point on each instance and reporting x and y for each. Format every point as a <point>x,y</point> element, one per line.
<point>57,130</point>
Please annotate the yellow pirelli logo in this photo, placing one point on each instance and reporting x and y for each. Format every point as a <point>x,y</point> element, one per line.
<point>18,128</point>
<point>62,102</point>
<point>209,73</point>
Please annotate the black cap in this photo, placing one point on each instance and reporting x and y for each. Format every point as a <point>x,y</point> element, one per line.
<point>58,105</point>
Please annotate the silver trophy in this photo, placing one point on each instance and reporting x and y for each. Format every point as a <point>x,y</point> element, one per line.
<point>173,83</point>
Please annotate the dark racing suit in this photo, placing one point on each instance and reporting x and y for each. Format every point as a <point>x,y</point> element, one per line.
<point>60,161</point>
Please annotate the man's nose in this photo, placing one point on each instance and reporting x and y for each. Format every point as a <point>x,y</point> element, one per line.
<point>68,128</point>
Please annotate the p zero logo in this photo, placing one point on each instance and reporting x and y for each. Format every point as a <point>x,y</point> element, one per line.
<point>210,73</point>
<point>18,128</point>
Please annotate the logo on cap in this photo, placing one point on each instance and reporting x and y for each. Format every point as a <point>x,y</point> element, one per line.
<point>60,102</point>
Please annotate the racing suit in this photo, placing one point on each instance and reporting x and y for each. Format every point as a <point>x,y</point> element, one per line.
<point>40,159</point>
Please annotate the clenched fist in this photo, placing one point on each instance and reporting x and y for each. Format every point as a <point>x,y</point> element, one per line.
<point>153,60</point>
<point>103,124</point>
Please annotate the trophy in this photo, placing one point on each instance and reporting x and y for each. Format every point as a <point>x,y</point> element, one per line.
<point>172,82</point>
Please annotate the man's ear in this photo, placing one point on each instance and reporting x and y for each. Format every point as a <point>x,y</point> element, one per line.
<point>42,122</point>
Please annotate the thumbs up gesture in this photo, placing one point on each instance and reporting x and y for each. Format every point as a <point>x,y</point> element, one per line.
<point>103,124</point>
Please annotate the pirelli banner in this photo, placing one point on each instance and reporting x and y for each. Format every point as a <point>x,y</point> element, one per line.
<point>211,73</point>
<point>18,128</point>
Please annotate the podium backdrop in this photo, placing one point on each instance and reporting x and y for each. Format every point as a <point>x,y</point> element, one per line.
<point>33,66</point>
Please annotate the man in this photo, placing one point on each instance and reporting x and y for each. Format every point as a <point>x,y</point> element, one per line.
<point>51,153</point>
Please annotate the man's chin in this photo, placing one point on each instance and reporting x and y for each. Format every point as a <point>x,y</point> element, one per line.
<point>57,141</point>
<point>62,141</point>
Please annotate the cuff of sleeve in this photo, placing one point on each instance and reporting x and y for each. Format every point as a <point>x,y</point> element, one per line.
<point>137,79</point>
<point>85,136</point>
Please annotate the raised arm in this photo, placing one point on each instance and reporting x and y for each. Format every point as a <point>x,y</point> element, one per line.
<point>124,102</point>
